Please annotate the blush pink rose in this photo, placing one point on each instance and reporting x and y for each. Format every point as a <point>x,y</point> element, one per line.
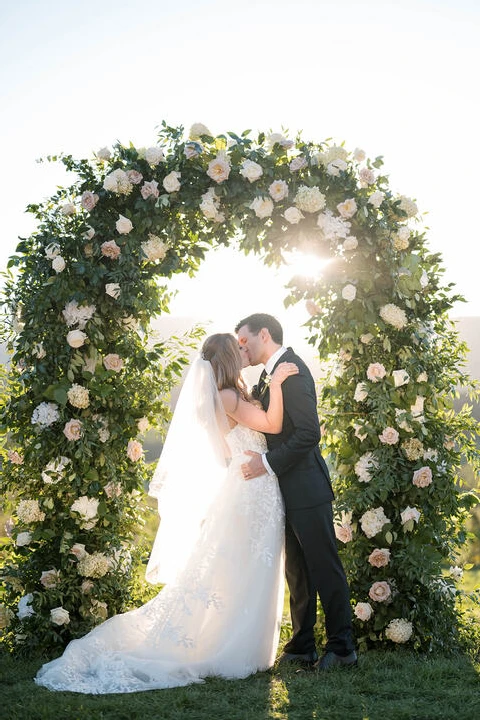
<point>110,249</point>
<point>379,557</point>
<point>134,450</point>
<point>380,591</point>
<point>73,430</point>
<point>112,361</point>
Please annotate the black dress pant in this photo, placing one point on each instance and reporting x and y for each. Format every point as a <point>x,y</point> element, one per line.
<point>312,567</point>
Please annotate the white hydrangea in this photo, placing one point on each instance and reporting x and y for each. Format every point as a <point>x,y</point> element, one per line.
<point>393,315</point>
<point>78,396</point>
<point>408,206</point>
<point>74,314</point>
<point>372,521</point>
<point>399,630</point>
<point>95,565</point>
<point>28,511</point>
<point>333,227</point>
<point>45,414</point>
<point>309,199</point>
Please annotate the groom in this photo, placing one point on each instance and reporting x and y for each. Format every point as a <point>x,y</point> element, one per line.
<point>312,564</point>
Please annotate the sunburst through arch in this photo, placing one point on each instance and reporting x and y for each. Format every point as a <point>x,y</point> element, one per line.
<point>85,384</point>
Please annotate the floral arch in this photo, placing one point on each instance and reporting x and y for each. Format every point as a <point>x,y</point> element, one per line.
<point>85,383</point>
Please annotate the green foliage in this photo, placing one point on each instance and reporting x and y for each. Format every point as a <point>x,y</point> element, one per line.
<point>86,377</point>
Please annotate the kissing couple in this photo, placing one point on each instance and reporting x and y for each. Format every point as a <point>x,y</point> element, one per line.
<point>244,497</point>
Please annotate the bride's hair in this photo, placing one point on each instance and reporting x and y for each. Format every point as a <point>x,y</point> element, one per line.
<point>221,350</point>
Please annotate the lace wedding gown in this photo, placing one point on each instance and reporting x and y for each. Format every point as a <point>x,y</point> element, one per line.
<point>220,616</point>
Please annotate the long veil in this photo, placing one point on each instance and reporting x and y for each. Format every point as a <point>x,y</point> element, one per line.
<point>190,471</point>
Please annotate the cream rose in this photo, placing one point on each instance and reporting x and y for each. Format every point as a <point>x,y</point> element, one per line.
<point>73,430</point>
<point>112,361</point>
<point>58,264</point>
<point>376,199</point>
<point>113,289</point>
<point>52,250</point>
<point>343,532</point>
<point>134,450</point>
<point>154,155</point>
<point>76,338</point>
<point>59,616</point>
<point>400,377</point>
<point>349,292</point>
<point>154,248</point>
<point>118,182</point>
<point>50,578</point>
<point>410,514</point>
<point>389,436</point>
<point>78,550</point>
<point>363,611</point>
<point>197,130</point>
<point>123,225</point>
<point>103,154</point>
<point>68,209</point>
<point>422,477</point>
<point>375,372</point>
<point>171,182</point>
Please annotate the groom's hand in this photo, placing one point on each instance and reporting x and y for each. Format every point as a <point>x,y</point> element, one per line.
<point>254,468</point>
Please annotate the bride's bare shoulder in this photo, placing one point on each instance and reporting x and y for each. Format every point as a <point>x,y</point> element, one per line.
<point>230,398</point>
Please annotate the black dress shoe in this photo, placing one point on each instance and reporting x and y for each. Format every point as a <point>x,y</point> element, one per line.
<point>305,659</point>
<point>332,660</point>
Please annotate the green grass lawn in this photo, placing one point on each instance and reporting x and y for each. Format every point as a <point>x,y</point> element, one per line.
<point>385,686</point>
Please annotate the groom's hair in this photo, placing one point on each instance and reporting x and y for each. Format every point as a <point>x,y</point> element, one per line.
<point>257,321</point>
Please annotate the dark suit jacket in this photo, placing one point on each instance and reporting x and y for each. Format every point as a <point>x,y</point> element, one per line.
<point>293,454</point>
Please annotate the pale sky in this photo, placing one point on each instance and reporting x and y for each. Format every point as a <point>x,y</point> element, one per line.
<point>398,79</point>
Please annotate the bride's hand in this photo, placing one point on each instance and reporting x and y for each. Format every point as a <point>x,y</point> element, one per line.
<point>282,371</point>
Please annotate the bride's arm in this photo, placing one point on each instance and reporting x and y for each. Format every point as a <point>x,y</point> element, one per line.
<point>246,413</point>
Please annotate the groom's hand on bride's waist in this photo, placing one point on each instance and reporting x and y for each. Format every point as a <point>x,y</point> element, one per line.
<point>254,468</point>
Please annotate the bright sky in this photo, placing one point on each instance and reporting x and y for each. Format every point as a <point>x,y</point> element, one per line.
<point>399,79</point>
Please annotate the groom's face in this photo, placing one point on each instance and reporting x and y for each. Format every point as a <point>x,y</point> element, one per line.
<point>251,344</point>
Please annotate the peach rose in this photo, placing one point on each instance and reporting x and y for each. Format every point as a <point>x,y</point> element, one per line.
<point>110,249</point>
<point>379,557</point>
<point>134,450</point>
<point>363,611</point>
<point>380,591</point>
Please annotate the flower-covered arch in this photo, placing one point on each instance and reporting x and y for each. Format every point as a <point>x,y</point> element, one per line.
<point>86,382</point>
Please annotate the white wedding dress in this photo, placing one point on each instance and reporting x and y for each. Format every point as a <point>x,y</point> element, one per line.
<point>221,614</point>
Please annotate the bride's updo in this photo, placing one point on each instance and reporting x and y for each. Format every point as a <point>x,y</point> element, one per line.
<point>221,350</point>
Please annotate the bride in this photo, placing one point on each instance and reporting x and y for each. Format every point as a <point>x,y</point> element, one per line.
<point>218,549</point>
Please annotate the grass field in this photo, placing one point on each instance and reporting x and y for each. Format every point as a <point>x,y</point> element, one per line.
<point>385,686</point>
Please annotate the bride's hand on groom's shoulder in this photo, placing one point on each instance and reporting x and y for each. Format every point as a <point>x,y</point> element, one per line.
<point>283,371</point>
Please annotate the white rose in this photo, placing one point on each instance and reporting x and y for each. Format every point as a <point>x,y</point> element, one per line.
<point>251,170</point>
<point>361,392</point>
<point>408,206</point>
<point>348,208</point>
<point>262,206</point>
<point>24,608</point>
<point>278,190</point>
<point>367,177</point>
<point>171,182</point>
<point>89,200</point>
<point>143,425</point>
<point>192,150</point>
<point>73,430</point>
<point>293,215</point>
<point>219,168</point>
<point>113,289</point>
<point>297,164</point>
<point>376,199</point>
<point>39,351</point>
<point>68,209</point>
<point>52,250</point>
<point>154,248</point>
<point>123,225</point>
<point>400,377</point>
<point>78,550</point>
<point>350,243</point>
<point>59,616</point>
<point>154,155</point>
<point>409,514</point>
<point>76,338</point>
<point>50,578</point>
<point>359,155</point>
<point>349,292</point>
<point>58,264</point>
<point>417,408</point>
<point>278,139</point>
<point>118,182</point>
<point>335,167</point>
<point>89,234</point>
<point>23,538</point>
<point>375,372</point>
<point>197,130</point>
<point>104,153</point>
<point>87,510</point>
<point>372,521</point>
